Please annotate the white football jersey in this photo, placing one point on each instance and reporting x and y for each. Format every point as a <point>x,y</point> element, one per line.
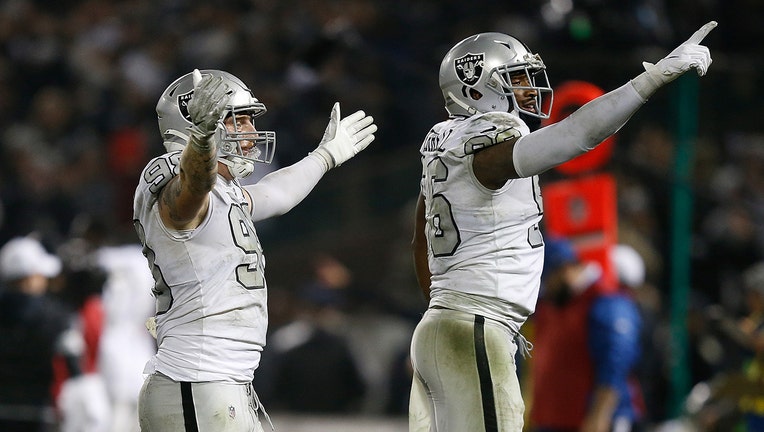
<point>485,248</point>
<point>210,287</point>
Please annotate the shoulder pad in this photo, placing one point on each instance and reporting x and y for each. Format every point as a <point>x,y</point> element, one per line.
<point>160,170</point>
<point>493,128</point>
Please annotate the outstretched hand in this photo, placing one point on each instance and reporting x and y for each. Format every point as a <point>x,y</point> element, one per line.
<point>345,138</point>
<point>211,95</point>
<point>690,54</point>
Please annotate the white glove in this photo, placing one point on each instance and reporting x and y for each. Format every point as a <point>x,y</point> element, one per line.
<point>211,95</point>
<point>345,138</point>
<point>687,55</point>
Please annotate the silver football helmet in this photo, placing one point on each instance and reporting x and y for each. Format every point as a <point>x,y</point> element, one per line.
<point>174,120</point>
<point>475,76</point>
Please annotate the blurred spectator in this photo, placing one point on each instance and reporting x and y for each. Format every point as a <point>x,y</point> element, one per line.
<point>751,337</point>
<point>34,327</point>
<point>117,277</point>
<point>310,367</point>
<point>653,364</point>
<point>80,290</point>
<point>55,160</point>
<point>125,345</point>
<point>742,389</point>
<point>586,346</point>
<point>81,398</point>
<point>730,244</point>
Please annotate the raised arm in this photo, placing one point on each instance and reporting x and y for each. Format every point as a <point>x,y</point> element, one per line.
<point>279,191</point>
<point>184,201</point>
<point>588,126</point>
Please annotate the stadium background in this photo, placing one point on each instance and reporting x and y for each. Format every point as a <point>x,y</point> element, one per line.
<point>79,81</point>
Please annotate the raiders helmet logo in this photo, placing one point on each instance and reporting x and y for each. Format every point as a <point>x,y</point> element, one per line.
<point>469,67</point>
<point>183,100</point>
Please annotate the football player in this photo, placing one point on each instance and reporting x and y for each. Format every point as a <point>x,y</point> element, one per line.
<point>478,250</point>
<point>196,223</point>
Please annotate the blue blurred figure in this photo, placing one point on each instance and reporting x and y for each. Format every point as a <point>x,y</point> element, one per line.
<point>586,346</point>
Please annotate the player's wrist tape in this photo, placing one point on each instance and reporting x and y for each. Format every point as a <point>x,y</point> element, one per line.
<point>200,141</point>
<point>648,82</point>
<point>326,157</point>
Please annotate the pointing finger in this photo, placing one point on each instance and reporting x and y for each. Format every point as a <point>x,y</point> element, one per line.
<point>699,35</point>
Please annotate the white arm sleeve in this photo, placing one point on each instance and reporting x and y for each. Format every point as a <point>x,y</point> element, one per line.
<point>576,134</point>
<point>279,191</point>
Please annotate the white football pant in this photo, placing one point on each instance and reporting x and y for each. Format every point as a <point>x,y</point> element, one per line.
<point>465,377</point>
<point>169,406</point>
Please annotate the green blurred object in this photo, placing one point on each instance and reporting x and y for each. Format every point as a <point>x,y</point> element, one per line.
<point>580,27</point>
<point>681,236</point>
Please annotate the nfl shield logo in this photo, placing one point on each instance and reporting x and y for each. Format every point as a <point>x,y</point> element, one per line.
<point>469,67</point>
<point>183,104</point>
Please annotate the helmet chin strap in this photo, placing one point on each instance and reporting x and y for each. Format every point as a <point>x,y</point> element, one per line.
<point>464,106</point>
<point>238,167</point>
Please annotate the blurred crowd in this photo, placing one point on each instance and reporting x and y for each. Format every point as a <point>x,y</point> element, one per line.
<point>79,81</point>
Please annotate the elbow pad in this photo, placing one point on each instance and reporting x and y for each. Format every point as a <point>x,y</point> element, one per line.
<point>576,134</point>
